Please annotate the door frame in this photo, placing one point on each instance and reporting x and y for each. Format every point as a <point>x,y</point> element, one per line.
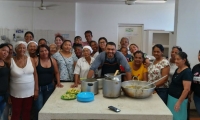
<point>132,25</point>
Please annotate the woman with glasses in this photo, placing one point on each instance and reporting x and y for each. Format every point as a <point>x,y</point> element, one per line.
<point>102,44</point>
<point>173,67</point>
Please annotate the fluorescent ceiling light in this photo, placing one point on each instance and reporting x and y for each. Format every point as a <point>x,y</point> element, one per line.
<point>150,1</point>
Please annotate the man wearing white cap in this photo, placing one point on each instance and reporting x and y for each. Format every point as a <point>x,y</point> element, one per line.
<point>83,65</point>
<point>110,61</point>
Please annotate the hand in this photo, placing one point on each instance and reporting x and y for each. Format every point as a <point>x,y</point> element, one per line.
<point>9,100</point>
<point>59,85</point>
<point>79,82</point>
<point>74,85</point>
<point>36,92</point>
<point>177,107</point>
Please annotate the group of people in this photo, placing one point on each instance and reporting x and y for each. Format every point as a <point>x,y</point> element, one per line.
<point>30,71</point>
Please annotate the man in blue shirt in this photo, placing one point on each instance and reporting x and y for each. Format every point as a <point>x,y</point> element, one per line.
<point>110,60</point>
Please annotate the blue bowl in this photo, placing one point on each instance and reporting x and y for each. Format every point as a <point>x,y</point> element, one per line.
<point>85,96</point>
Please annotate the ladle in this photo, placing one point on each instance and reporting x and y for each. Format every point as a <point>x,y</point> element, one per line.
<point>152,82</point>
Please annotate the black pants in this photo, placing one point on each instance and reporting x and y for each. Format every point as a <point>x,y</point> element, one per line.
<point>163,94</point>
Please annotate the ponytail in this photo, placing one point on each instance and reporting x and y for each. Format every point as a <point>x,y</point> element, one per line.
<point>187,63</point>
<point>183,56</point>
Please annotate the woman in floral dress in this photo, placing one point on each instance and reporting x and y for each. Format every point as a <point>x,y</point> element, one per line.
<point>158,69</point>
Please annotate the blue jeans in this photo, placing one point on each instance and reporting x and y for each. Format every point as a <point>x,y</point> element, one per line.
<point>2,104</point>
<point>197,103</point>
<point>163,94</point>
<point>44,93</point>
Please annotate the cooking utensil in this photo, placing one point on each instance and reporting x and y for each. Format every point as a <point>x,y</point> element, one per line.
<point>110,76</point>
<point>89,85</point>
<point>153,82</point>
<point>137,93</point>
<point>116,72</point>
<point>111,88</point>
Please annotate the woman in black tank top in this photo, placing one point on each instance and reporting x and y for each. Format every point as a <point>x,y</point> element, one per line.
<point>4,76</point>
<point>46,69</point>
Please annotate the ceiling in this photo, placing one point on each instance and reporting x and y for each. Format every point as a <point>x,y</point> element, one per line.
<point>84,1</point>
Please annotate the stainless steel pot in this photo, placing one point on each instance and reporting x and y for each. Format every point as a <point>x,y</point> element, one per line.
<point>111,88</point>
<point>100,83</point>
<point>131,89</point>
<point>89,85</point>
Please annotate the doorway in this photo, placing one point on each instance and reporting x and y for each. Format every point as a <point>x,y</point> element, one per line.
<point>134,32</point>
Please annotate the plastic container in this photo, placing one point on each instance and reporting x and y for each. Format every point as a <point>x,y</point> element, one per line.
<point>85,97</point>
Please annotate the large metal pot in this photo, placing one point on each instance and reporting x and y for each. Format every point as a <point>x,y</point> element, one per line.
<point>134,91</point>
<point>111,88</point>
<point>89,85</point>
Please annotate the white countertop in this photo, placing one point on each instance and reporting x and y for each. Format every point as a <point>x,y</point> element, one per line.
<point>151,108</point>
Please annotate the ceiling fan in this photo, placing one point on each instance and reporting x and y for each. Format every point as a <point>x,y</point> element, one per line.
<point>43,7</point>
<point>130,2</point>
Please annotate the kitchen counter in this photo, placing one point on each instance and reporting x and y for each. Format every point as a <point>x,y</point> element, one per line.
<point>151,108</point>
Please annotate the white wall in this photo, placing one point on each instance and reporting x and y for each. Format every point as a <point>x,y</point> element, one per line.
<point>26,15</point>
<point>103,19</point>
<point>187,28</point>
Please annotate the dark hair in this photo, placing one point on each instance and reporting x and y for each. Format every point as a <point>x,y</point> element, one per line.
<point>140,52</point>
<point>183,55</point>
<point>4,45</point>
<point>111,43</point>
<point>41,40</point>
<point>92,42</point>
<point>65,42</point>
<point>123,48</point>
<point>43,46</point>
<point>77,37</point>
<point>177,47</point>
<point>9,44</point>
<point>88,31</point>
<point>134,45</point>
<point>59,36</point>
<point>100,50</point>
<point>29,32</point>
<point>77,45</point>
<point>159,46</point>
